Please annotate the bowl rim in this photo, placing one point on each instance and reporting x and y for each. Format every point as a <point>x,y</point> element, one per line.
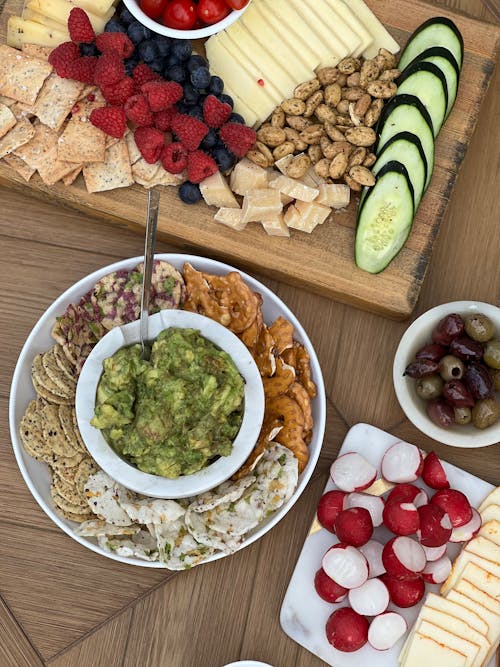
<point>406,349</point>
<point>125,472</point>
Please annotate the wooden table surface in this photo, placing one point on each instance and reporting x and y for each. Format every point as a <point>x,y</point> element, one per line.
<point>63,605</point>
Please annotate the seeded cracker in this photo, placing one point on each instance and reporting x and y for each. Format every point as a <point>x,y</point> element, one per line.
<point>35,151</point>
<point>19,166</point>
<point>81,141</point>
<point>56,99</point>
<point>143,172</point>
<point>7,119</point>
<point>114,172</point>
<point>19,135</point>
<point>21,76</point>
<point>72,176</point>
<point>35,51</point>
<point>133,151</point>
<point>66,384</point>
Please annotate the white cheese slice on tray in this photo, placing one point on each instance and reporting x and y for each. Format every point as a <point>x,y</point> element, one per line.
<point>490,618</point>
<point>447,638</point>
<point>447,606</point>
<point>381,37</point>
<point>472,571</point>
<point>242,107</point>
<point>486,549</point>
<point>464,558</point>
<point>340,32</point>
<point>491,531</point>
<point>427,651</point>
<point>349,21</point>
<point>492,499</point>
<point>490,513</point>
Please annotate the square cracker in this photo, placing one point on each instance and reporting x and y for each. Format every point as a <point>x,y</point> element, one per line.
<point>35,152</point>
<point>114,172</point>
<point>40,52</point>
<point>81,141</point>
<point>7,119</point>
<point>56,99</point>
<point>8,101</point>
<point>143,172</point>
<point>72,176</point>
<point>19,166</point>
<point>53,169</point>
<point>20,134</point>
<point>133,151</point>
<point>21,76</point>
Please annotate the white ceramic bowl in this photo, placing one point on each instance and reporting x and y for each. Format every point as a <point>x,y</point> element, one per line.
<point>416,336</point>
<point>37,475</point>
<point>248,663</point>
<point>126,473</point>
<point>206,31</point>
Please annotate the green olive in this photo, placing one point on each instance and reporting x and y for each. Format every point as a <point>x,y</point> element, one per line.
<point>485,413</point>
<point>492,354</point>
<point>451,368</point>
<point>429,387</point>
<point>495,376</point>
<point>462,415</point>
<point>479,327</point>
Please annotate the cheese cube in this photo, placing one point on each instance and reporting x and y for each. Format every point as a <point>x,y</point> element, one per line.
<point>261,205</point>
<point>216,192</point>
<point>293,188</point>
<point>492,498</point>
<point>276,227</point>
<point>312,179</point>
<point>491,531</point>
<point>282,163</point>
<point>334,195</point>
<point>231,217</point>
<point>317,213</point>
<point>294,219</point>
<point>427,651</point>
<point>247,176</point>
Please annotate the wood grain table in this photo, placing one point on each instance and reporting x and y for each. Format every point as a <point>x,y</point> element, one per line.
<point>64,606</point>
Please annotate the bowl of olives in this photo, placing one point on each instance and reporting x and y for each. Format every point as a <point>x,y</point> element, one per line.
<point>446,373</point>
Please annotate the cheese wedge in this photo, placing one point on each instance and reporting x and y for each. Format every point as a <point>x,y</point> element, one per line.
<point>347,19</point>
<point>246,176</point>
<point>491,531</point>
<point>261,205</point>
<point>492,499</point>
<point>276,227</point>
<point>381,37</point>
<point>427,651</point>
<point>491,513</point>
<point>21,32</point>
<point>293,188</point>
<point>231,217</point>
<point>447,606</point>
<point>216,192</point>
<point>334,195</point>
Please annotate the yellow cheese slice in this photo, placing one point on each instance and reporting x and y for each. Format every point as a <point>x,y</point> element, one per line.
<point>486,549</point>
<point>381,37</point>
<point>251,117</point>
<point>491,499</point>
<point>491,513</point>
<point>476,592</point>
<point>99,7</point>
<point>447,606</point>
<point>59,10</point>
<point>491,531</point>
<point>21,32</point>
<point>348,19</point>
<point>30,15</point>
<point>491,619</point>
<point>475,570</point>
<point>447,638</point>
<point>340,30</point>
<point>427,651</point>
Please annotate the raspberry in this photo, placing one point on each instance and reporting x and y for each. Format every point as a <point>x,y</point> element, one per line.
<point>238,138</point>
<point>200,166</point>
<point>174,157</point>
<point>162,94</point>
<point>82,69</point>
<point>79,26</point>
<point>215,112</point>
<point>150,142</point>
<point>109,69</point>
<point>118,41</point>
<point>190,131</point>
<point>61,56</point>
<point>163,119</point>
<point>118,93</point>
<point>137,110</point>
<point>143,73</point>
<point>110,120</point>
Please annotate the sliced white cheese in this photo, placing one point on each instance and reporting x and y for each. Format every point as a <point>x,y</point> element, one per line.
<point>21,32</point>
<point>465,587</point>
<point>491,531</point>
<point>341,31</point>
<point>99,7</point>
<point>59,10</point>
<point>491,513</point>
<point>450,639</point>
<point>492,619</point>
<point>334,48</point>
<point>346,17</point>
<point>381,37</point>
<point>30,15</point>
<point>427,651</point>
<point>491,499</point>
<point>474,573</point>
<point>447,606</point>
<point>242,107</point>
<point>484,548</point>
<point>464,558</point>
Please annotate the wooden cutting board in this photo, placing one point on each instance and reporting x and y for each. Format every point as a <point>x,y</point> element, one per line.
<point>322,261</point>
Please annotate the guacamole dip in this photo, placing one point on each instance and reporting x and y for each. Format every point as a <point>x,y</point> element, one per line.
<point>172,414</point>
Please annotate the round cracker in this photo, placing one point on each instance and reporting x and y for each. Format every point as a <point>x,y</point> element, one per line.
<point>62,464</point>
<point>39,373</point>
<point>63,362</point>
<point>66,420</point>
<point>69,492</point>
<point>85,468</point>
<point>49,396</point>
<point>67,474</point>
<point>53,433</point>
<point>76,517</point>
<point>77,431</point>
<point>65,384</point>
<point>65,505</point>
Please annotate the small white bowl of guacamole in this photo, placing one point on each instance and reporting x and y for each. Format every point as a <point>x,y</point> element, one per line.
<point>180,422</point>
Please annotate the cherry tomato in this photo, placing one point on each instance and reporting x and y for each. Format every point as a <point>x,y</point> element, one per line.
<point>153,8</point>
<point>212,11</point>
<point>180,14</point>
<point>237,4</point>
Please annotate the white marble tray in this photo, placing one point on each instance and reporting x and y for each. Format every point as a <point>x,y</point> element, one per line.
<point>304,614</point>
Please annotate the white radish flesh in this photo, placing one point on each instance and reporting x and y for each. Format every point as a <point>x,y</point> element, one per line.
<point>346,565</point>
<point>408,493</point>
<point>374,504</point>
<point>434,553</point>
<point>402,462</point>
<point>385,630</point>
<point>351,472</point>
<point>403,557</point>
<point>467,532</point>
<point>401,518</point>
<point>437,571</point>
<point>372,551</point>
<point>369,599</point>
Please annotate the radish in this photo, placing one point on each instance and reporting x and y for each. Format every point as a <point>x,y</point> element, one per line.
<point>408,493</point>
<point>354,526</point>
<point>346,631</point>
<point>401,518</point>
<point>369,599</point>
<point>434,553</point>
<point>327,589</point>
<point>374,504</point>
<point>402,462</point>
<point>404,592</point>
<point>330,504</point>
<point>467,531</point>
<point>345,565</point>
<point>435,526</point>
<point>455,504</point>
<point>372,551</point>
<point>433,472</point>
<point>403,557</point>
<point>385,630</point>
<point>437,571</point>
<point>352,472</point>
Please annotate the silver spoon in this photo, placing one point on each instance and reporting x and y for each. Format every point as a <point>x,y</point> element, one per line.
<point>149,250</point>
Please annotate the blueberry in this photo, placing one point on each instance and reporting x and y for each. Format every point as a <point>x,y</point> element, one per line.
<point>163,44</point>
<point>194,62</point>
<point>114,25</point>
<point>227,99</point>
<point>157,66</point>
<point>176,73</point>
<point>216,85</point>
<point>182,49</point>
<point>224,158</point>
<point>130,63</point>
<point>147,51</point>
<point>182,107</point>
<point>200,78</point>
<point>126,17</point>
<point>172,60</point>
<point>236,118</point>
<point>210,140</point>
<point>195,111</point>
<point>137,32</point>
<point>189,192</point>
<point>89,50</point>
<point>191,95</point>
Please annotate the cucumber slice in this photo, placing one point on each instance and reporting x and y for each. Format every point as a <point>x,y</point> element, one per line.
<point>445,60</point>
<point>385,218</point>
<point>428,83</point>
<point>438,31</point>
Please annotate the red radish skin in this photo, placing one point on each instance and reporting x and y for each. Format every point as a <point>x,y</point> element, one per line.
<point>327,589</point>
<point>435,526</point>
<point>346,631</point>
<point>402,462</point>
<point>403,557</point>
<point>455,504</point>
<point>385,630</point>
<point>401,518</point>
<point>346,565</point>
<point>437,571</point>
<point>408,493</point>
<point>433,472</point>
<point>351,472</point>
<point>404,592</point>
<point>369,599</point>
<point>329,506</point>
<point>434,553</point>
<point>374,504</point>
<point>372,551</point>
<point>354,526</point>
<point>469,530</point>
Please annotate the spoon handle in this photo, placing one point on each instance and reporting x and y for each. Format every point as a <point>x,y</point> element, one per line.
<point>149,249</point>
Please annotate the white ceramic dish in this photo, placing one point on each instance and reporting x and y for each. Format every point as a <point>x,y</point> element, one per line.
<point>37,475</point>
<point>126,473</point>
<point>248,663</point>
<point>304,614</point>
<point>415,337</point>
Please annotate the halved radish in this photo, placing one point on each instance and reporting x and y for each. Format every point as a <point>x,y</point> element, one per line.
<point>401,518</point>
<point>402,462</point>
<point>433,472</point>
<point>327,589</point>
<point>369,599</point>
<point>455,504</point>
<point>435,526</point>
<point>346,565</point>
<point>404,592</point>
<point>437,571</point>
<point>346,630</point>
<point>372,551</point>
<point>352,472</point>
<point>385,630</point>
<point>434,553</point>
<point>354,526</point>
<point>403,557</point>
<point>374,504</point>
<point>330,504</point>
<point>408,493</point>
<point>467,531</point>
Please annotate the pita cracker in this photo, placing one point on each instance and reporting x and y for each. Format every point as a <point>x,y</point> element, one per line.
<point>21,75</point>
<point>88,90</point>
<point>81,141</point>
<point>19,166</point>
<point>114,172</point>
<point>40,52</point>
<point>7,119</point>
<point>35,151</point>
<point>20,134</point>
<point>56,99</point>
